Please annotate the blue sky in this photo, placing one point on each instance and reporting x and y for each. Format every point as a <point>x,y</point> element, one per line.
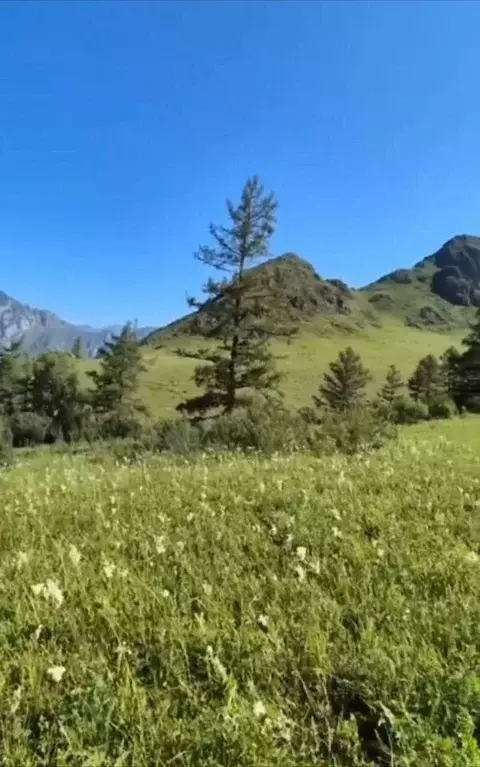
<point>125,125</point>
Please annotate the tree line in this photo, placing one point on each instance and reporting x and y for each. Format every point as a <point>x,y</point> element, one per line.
<point>43,399</point>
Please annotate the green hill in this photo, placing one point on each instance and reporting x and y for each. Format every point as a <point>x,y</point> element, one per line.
<point>397,319</point>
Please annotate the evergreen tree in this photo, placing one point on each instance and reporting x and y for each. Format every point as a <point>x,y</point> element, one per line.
<point>78,348</point>
<point>450,363</point>
<point>242,363</point>
<point>427,383</point>
<point>116,381</point>
<point>13,379</point>
<point>54,393</point>
<point>343,388</point>
<point>467,370</point>
<point>390,391</point>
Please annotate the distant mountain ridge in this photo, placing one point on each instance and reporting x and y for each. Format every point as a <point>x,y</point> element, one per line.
<point>43,330</point>
<point>441,291</point>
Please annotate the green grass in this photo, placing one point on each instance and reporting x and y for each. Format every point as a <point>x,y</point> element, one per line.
<point>231,612</point>
<point>169,377</point>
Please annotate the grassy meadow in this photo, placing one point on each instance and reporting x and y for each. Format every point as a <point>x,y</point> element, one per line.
<point>168,379</point>
<point>244,611</point>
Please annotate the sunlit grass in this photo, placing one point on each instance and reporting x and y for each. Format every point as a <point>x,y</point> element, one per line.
<point>243,611</point>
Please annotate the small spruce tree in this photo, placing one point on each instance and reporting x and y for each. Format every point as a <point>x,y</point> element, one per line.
<point>116,381</point>
<point>427,383</point>
<point>242,363</point>
<point>344,387</point>
<point>392,388</point>
<point>467,370</point>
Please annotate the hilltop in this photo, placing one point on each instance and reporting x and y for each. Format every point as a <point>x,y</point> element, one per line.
<point>440,292</point>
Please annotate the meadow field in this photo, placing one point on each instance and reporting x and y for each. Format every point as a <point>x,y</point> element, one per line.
<point>238,611</point>
<point>168,378</point>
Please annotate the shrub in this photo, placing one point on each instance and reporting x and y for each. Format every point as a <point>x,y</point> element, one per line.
<point>120,424</point>
<point>177,436</point>
<point>353,431</point>
<point>6,444</point>
<point>29,429</point>
<point>440,409</point>
<point>406,411</point>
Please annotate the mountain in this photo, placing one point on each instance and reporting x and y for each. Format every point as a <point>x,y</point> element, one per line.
<point>439,292</point>
<point>42,330</point>
<point>442,290</point>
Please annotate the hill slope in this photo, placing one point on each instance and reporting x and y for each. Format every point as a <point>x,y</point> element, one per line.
<point>442,290</point>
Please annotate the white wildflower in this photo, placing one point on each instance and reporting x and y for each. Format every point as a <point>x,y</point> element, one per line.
<point>159,544</point>
<point>472,557</point>
<point>301,553</point>
<point>315,566</point>
<point>336,532</point>
<point>53,592</point>
<point>300,572</point>
<point>21,559</point>
<point>180,546</point>
<point>74,555</point>
<point>108,569</point>
<point>166,593</point>
<point>259,709</point>
<point>273,530</point>
<point>207,589</point>
<point>56,673</point>
<point>37,588</point>
<point>38,632</point>
<point>190,516</point>
<point>17,697</point>
<point>262,621</point>
<point>289,539</point>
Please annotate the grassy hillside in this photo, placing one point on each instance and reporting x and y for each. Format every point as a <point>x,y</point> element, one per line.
<point>168,379</point>
<point>244,612</point>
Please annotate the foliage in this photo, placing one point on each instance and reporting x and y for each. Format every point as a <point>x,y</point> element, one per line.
<point>242,362</point>
<point>393,386</point>
<point>427,383</point>
<point>231,611</point>
<point>467,370</point>
<point>344,387</point>
<point>353,431</point>
<point>6,443</point>
<point>28,428</point>
<point>115,383</point>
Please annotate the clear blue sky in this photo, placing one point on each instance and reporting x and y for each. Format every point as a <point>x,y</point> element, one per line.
<point>125,125</point>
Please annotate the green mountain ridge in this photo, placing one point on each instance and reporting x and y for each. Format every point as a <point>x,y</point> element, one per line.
<point>440,292</point>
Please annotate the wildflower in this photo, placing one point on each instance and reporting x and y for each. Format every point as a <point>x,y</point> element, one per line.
<point>108,569</point>
<point>190,516</point>
<point>74,555</point>
<point>207,589</point>
<point>471,557</point>
<point>315,566</point>
<point>262,621</point>
<point>166,593</point>
<point>180,546</point>
<point>300,572</point>
<point>336,532</point>
<point>21,559</point>
<point>301,553</point>
<point>56,673</point>
<point>159,544</point>
<point>38,632</point>
<point>259,709</point>
<point>37,588</point>
<point>53,592</point>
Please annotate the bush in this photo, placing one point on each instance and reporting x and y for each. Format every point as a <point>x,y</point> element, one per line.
<point>440,409</point>
<point>266,427</point>
<point>6,444</point>
<point>406,411</point>
<point>353,431</point>
<point>29,429</point>
<point>178,436</point>
<point>120,424</point>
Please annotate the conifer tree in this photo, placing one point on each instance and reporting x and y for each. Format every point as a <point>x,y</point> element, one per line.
<point>78,348</point>
<point>344,387</point>
<point>242,362</point>
<point>390,391</point>
<point>427,383</point>
<point>467,370</point>
<point>117,379</point>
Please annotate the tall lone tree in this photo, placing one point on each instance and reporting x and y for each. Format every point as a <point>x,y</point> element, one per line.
<point>242,362</point>
<point>344,387</point>
<point>116,381</point>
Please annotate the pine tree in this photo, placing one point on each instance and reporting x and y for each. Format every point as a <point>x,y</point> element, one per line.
<point>13,379</point>
<point>427,383</point>
<point>390,391</point>
<point>54,393</point>
<point>450,364</point>
<point>242,362</point>
<point>467,382</point>
<point>116,381</point>
<point>78,348</point>
<point>343,388</point>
